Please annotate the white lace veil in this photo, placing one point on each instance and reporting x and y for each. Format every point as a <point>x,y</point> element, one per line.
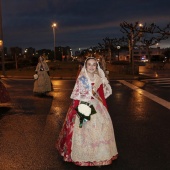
<point>99,70</point>
<point>99,77</point>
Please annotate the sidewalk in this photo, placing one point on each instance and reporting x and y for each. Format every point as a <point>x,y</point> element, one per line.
<point>154,73</point>
<point>144,72</point>
<point>30,129</point>
<point>114,77</point>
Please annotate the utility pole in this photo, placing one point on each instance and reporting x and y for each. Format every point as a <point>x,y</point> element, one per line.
<point>1,43</point>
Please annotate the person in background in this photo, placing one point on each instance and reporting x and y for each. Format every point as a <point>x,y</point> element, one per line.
<point>87,136</point>
<point>42,84</point>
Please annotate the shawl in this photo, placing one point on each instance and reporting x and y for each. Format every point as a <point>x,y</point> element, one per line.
<point>44,64</point>
<point>84,90</point>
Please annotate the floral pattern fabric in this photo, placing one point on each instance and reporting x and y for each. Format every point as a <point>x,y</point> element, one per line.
<point>93,144</point>
<point>65,138</point>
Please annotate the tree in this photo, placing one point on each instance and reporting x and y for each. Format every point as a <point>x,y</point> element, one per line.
<point>139,33</point>
<point>153,35</point>
<point>110,45</point>
<point>119,43</point>
<point>16,52</point>
<point>133,33</point>
<point>167,53</point>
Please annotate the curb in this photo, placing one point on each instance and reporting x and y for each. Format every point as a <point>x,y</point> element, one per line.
<point>74,78</point>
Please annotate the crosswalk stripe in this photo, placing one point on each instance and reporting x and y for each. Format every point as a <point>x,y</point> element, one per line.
<point>147,94</point>
<point>162,82</point>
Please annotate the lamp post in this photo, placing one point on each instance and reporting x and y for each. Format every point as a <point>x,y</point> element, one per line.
<point>1,42</point>
<point>118,48</point>
<point>54,25</point>
<point>140,37</point>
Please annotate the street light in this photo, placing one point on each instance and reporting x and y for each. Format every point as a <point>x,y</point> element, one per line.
<point>54,25</point>
<point>118,48</point>
<point>140,25</point>
<point>140,38</point>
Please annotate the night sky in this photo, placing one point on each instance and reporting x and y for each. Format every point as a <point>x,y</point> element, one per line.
<point>81,23</point>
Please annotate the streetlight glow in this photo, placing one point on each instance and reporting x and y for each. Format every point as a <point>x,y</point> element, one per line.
<point>118,48</point>
<point>54,25</point>
<point>140,25</point>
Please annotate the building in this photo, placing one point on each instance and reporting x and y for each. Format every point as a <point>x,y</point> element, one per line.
<point>142,54</point>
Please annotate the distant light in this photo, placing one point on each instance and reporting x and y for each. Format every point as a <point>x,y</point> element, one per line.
<point>54,25</point>
<point>118,47</point>
<point>140,25</point>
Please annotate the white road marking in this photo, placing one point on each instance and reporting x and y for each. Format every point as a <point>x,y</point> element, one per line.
<point>162,82</point>
<point>147,94</point>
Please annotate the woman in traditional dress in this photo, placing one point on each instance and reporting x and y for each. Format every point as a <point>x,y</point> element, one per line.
<point>4,95</point>
<point>89,142</point>
<point>42,83</point>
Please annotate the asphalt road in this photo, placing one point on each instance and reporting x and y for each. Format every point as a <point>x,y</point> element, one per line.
<point>29,127</point>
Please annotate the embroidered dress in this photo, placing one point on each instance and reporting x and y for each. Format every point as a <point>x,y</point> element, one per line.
<point>43,83</point>
<point>93,144</point>
<point>4,95</point>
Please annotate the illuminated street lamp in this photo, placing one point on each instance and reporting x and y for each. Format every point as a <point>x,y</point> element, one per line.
<point>140,25</point>
<point>54,25</point>
<point>140,32</point>
<point>140,38</point>
<point>118,48</point>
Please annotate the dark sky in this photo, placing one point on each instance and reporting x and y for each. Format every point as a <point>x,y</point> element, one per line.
<point>81,23</point>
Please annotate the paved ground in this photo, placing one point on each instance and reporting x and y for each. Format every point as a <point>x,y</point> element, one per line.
<point>154,73</point>
<point>29,128</point>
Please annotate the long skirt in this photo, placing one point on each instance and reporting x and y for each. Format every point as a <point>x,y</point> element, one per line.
<point>93,144</point>
<point>43,83</point>
<point>4,95</point>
